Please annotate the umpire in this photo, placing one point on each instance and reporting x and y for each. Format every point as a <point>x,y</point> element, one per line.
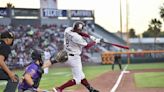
<point>7,39</point>
<point>117,60</point>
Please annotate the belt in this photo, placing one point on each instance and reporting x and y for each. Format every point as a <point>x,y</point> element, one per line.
<point>71,54</point>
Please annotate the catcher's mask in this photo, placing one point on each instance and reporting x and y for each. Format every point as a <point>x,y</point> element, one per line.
<point>37,55</point>
<point>78,26</point>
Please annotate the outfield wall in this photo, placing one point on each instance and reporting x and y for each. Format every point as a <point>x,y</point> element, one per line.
<point>148,56</point>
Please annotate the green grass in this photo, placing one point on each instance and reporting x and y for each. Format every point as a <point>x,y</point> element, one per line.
<point>57,76</point>
<point>151,79</point>
<point>146,66</point>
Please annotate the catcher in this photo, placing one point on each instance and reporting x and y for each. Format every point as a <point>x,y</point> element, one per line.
<point>33,74</point>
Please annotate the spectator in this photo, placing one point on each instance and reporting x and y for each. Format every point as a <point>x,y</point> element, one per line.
<point>47,56</point>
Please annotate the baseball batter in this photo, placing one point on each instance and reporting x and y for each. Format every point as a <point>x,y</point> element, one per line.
<point>74,42</point>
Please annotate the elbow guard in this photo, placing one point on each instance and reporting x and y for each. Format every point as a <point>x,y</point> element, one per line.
<point>84,34</point>
<point>90,45</point>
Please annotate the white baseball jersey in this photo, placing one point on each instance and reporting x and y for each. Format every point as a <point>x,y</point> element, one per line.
<point>73,42</point>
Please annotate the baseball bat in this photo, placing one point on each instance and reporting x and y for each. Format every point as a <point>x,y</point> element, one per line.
<point>117,45</point>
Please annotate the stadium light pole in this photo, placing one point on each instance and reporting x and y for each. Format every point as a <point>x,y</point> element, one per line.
<point>127,28</point>
<point>121,19</point>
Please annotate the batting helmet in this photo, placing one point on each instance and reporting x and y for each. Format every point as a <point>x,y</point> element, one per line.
<point>78,25</point>
<point>36,55</point>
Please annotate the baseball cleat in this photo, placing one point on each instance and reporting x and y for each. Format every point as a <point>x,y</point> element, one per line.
<point>57,90</point>
<point>54,90</point>
<point>93,90</point>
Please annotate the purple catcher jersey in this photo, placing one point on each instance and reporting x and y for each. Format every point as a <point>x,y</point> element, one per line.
<point>31,69</point>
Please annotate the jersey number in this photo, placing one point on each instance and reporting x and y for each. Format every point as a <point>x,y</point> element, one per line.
<point>68,39</point>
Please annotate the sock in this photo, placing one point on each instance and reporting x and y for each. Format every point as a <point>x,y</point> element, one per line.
<point>85,83</point>
<point>67,84</point>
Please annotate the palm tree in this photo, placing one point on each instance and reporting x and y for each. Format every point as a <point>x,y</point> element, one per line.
<point>162,12</point>
<point>132,33</point>
<point>155,28</point>
<point>10,5</point>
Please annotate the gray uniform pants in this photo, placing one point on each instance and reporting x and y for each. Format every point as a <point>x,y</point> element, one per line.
<point>11,86</point>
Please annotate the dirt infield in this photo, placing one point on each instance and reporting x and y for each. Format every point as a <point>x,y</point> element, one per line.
<point>105,82</point>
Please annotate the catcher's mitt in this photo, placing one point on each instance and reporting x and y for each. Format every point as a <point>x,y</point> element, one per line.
<point>61,56</point>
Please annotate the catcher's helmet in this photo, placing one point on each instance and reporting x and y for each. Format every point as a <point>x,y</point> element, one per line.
<point>36,55</point>
<point>78,25</point>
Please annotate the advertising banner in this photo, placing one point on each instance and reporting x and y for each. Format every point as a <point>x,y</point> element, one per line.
<point>4,12</point>
<point>25,12</point>
<point>54,13</point>
<point>81,13</point>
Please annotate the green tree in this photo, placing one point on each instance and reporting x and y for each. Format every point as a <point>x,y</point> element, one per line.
<point>162,16</point>
<point>153,30</point>
<point>156,27</point>
<point>132,33</point>
<point>162,12</point>
<point>161,34</point>
<point>10,5</point>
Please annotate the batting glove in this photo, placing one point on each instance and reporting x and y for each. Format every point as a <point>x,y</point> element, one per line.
<point>93,38</point>
<point>97,40</point>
